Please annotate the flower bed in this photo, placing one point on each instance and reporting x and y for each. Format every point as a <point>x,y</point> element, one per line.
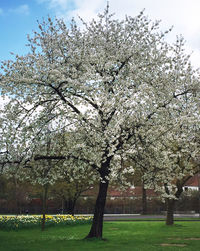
<point>26,221</point>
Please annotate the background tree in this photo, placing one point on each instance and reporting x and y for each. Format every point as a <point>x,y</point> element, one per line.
<point>68,190</point>
<point>174,163</point>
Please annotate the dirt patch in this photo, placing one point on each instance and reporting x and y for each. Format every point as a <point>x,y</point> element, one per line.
<point>172,245</point>
<point>177,239</point>
<point>186,239</point>
<point>192,239</point>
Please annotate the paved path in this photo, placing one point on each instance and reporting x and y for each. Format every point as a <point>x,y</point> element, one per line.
<point>128,217</point>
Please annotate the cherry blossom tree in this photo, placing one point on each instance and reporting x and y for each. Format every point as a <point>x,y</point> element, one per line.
<point>104,82</point>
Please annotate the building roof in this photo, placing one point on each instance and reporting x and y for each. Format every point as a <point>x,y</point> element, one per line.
<point>114,192</point>
<point>194,181</point>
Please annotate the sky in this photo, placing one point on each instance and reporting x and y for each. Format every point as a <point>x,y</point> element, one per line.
<point>19,18</point>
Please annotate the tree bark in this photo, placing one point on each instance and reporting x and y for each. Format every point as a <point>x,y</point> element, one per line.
<point>97,224</point>
<point>170,211</point>
<point>144,200</point>
<point>44,206</point>
<point>16,201</point>
<point>70,206</point>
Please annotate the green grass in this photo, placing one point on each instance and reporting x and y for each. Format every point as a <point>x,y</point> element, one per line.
<point>121,236</point>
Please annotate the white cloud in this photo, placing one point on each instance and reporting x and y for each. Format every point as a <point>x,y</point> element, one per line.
<point>22,9</point>
<point>67,9</point>
<point>182,14</point>
<point>87,9</point>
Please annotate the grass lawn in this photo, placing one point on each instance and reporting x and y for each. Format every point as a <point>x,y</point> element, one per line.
<point>136,236</point>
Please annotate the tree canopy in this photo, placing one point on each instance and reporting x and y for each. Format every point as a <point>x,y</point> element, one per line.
<point>109,84</point>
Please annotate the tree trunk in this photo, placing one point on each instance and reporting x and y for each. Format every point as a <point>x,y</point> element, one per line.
<point>16,201</point>
<point>44,206</point>
<point>97,224</point>
<point>70,206</point>
<point>144,200</point>
<point>170,211</point>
